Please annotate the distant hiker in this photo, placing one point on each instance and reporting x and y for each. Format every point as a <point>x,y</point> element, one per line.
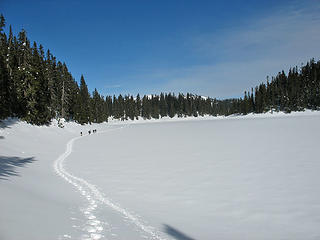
<point>81,133</point>
<point>89,131</point>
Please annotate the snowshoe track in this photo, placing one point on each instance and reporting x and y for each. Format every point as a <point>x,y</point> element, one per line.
<point>94,227</point>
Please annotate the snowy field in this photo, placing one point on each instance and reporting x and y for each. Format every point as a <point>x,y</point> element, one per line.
<point>251,177</point>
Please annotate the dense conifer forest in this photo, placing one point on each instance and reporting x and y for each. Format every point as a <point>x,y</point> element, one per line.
<point>37,87</point>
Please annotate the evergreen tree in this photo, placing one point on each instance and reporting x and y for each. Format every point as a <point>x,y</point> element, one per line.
<point>138,107</point>
<point>5,104</point>
<point>84,102</point>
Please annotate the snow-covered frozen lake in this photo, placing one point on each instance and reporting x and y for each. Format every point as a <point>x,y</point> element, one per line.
<point>226,178</point>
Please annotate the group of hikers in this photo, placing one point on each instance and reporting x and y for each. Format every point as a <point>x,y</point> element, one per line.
<point>89,132</point>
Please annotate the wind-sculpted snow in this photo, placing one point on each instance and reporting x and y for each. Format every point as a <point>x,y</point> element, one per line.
<point>94,227</point>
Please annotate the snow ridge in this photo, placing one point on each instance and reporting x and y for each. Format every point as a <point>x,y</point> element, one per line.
<point>94,226</point>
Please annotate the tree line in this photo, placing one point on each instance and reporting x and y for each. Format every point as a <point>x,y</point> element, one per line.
<point>295,91</point>
<point>36,87</point>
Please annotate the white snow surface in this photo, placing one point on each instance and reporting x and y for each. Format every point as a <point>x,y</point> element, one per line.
<point>238,177</point>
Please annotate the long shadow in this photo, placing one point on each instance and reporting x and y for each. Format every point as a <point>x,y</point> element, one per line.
<point>6,123</point>
<point>176,233</point>
<point>9,165</point>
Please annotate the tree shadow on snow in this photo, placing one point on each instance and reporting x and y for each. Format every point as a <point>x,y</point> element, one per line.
<point>176,233</point>
<point>6,123</point>
<point>9,165</point>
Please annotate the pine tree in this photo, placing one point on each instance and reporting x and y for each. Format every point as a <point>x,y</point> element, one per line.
<point>84,102</point>
<point>138,107</point>
<point>163,106</point>
<point>40,85</point>
<point>5,104</point>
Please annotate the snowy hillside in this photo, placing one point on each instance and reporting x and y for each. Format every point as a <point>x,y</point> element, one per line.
<point>251,177</point>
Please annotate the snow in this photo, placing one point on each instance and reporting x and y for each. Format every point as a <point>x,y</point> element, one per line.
<point>204,97</point>
<point>237,177</point>
<point>34,202</point>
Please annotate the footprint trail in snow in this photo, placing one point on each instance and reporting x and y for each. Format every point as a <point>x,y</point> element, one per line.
<point>93,228</point>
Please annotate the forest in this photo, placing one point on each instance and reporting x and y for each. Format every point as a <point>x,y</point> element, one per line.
<point>36,87</point>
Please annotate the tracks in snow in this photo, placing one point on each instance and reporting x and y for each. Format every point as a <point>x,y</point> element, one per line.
<point>94,228</point>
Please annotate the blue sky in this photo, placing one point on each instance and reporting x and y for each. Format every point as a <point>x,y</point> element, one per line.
<point>213,48</point>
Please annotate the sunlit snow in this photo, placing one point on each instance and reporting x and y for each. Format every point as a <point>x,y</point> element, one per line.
<point>238,177</point>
